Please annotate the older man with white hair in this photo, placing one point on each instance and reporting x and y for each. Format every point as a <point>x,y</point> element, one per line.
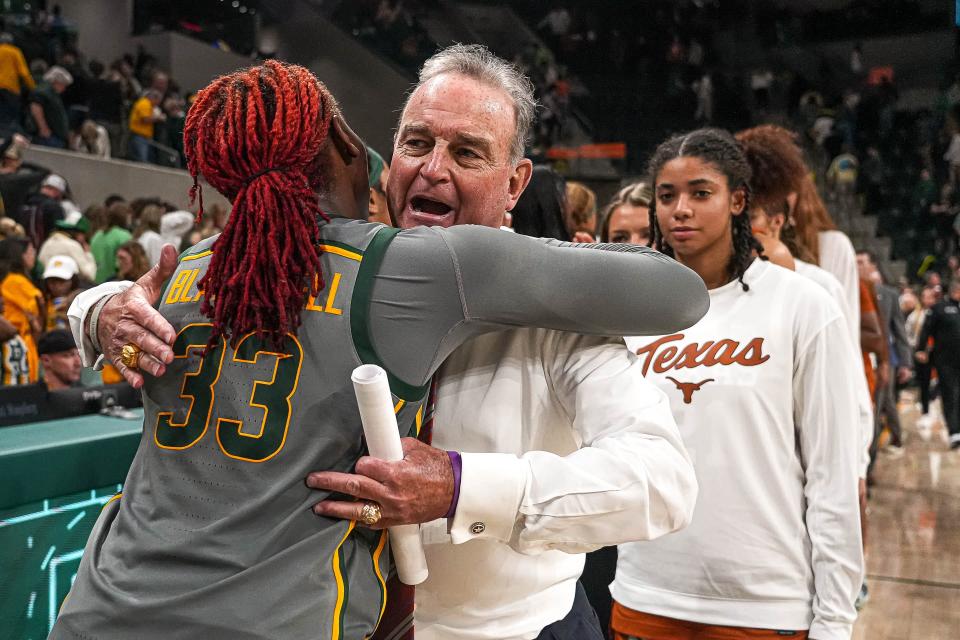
<point>564,447</point>
<point>51,127</point>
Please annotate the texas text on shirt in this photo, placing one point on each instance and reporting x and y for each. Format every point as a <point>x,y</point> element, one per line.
<point>762,390</point>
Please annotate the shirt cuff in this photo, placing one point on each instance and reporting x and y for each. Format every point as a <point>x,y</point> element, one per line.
<point>456,463</point>
<point>77,314</point>
<point>491,489</point>
<point>830,630</point>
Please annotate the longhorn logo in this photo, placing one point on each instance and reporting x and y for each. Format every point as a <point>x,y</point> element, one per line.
<point>687,388</point>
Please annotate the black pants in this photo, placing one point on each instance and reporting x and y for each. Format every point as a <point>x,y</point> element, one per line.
<point>949,376</point>
<point>923,371</point>
<point>598,573</point>
<point>9,110</point>
<point>580,624</point>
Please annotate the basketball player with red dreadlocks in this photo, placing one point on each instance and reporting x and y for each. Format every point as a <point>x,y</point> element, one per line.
<point>214,535</point>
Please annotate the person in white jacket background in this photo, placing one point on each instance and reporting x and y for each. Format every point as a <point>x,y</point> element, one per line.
<point>157,227</point>
<point>763,389</point>
<point>69,238</point>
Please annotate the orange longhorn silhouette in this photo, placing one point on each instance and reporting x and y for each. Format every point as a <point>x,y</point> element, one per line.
<point>687,388</point>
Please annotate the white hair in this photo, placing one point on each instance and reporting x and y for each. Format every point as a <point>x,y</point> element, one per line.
<point>479,63</point>
<point>57,73</point>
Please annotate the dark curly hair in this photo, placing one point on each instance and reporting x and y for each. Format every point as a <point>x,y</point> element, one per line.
<point>721,150</point>
<point>776,161</point>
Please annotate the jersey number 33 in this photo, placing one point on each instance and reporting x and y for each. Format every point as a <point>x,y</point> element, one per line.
<point>271,397</point>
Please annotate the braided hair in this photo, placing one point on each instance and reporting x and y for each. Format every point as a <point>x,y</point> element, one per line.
<point>255,136</point>
<point>718,148</point>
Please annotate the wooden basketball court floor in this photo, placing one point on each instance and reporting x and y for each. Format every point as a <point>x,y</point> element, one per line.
<point>913,551</point>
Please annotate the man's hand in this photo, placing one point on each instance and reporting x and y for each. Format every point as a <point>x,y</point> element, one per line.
<point>883,374</point>
<point>129,317</point>
<point>36,327</point>
<point>583,236</point>
<point>417,489</point>
<point>903,375</point>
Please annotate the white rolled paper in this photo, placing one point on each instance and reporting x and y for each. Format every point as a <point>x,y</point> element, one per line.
<point>383,441</point>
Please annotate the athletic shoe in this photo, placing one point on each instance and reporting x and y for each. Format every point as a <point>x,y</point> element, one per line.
<point>893,450</point>
<point>862,597</point>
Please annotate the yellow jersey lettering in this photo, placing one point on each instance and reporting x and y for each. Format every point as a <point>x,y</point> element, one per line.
<point>188,285</point>
<point>331,299</point>
<point>176,289</point>
<point>314,304</point>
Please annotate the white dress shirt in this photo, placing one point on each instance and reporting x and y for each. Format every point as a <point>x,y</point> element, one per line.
<point>566,448</point>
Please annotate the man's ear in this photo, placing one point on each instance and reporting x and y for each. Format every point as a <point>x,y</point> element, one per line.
<point>518,182</point>
<point>344,139</point>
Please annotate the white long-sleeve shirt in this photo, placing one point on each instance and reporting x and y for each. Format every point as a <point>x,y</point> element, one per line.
<point>763,392</point>
<point>839,258</point>
<point>566,448</point>
<point>832,286</point>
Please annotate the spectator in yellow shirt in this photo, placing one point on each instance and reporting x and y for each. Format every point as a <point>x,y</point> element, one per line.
<point>143,115</point>
<point>14,78</point>
<point>23,302</point>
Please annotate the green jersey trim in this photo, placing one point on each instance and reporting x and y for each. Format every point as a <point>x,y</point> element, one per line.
<point>360,313</point>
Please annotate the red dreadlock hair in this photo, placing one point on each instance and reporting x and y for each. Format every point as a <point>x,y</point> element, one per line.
<point>255,136</point>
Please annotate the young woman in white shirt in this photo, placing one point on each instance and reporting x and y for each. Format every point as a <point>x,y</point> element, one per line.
<point>762,390</point>
<point>771,224</point>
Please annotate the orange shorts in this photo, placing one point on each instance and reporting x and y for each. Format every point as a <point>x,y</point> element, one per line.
<point>628,624</point>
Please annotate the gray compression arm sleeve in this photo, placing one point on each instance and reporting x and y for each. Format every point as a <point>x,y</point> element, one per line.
<point>437,288</point>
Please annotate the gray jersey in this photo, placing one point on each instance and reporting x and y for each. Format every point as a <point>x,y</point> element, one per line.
<point>213,536</point>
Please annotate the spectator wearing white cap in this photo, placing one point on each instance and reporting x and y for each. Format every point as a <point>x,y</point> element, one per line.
<point>70,238</point>
<point>50,124</point>
<point>61,284</point>
<point>42,210</point>
<point>60,359</point>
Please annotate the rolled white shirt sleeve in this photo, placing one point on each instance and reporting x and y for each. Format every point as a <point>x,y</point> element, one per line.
<point>830,455</point>
<point>77,313</point>
<point>632,478</point>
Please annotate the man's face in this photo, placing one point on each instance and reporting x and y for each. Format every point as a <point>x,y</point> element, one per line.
<point>451,159</point>
<point>65,366</point>
<point>52,192</point>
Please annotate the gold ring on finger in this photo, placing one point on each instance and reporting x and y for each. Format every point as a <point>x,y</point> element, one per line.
<point>370,514</point>
<point>130,356</point>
